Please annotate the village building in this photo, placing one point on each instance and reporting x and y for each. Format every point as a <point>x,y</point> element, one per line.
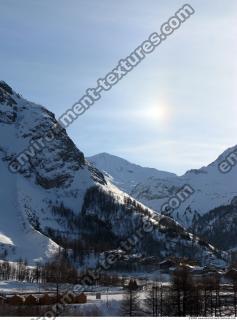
<point>197,271</point>
<point>231,274</point>
<point>81,298</point>
<point>45,300</point>
<point>31,300</point>
<point>15,300</point>
<point>167,264</point>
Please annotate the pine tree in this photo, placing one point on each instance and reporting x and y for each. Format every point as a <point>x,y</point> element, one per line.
<point>130,304</point>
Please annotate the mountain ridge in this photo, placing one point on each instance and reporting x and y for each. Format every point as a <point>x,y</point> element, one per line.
<point>212,189</point>
<point>58,198</point>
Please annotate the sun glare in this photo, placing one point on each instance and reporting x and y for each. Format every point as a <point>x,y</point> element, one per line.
<point>159,114</point>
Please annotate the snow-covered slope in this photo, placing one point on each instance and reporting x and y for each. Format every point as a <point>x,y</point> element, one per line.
<point>27,198</point>
<point>124,174</point>
<point>17,236</point>
<point>211,188</point>
<point>59,197</point>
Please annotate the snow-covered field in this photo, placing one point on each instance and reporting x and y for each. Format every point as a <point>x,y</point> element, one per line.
<point>107,305</point>
<point>94,307</point>
<point>110,301</point>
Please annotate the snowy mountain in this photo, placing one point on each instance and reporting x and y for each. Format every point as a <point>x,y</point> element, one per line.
<point>211,189</point>
<point>124,174</point>
<point>220,226</point>
<point>55,197</point>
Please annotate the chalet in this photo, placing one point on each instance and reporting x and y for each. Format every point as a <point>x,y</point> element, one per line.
<point>81,298</point>
<point>66,298</point>
<point>231,273</point>
<point>212,274</point>
<point>196,271</point>
<point>167,264</point>
<point>15,300</point>
<point>45,300</point>
<point>210,269</point>
<point>186,266</point>
<point>53,299</point>
<point>31,300</point>
<point>60,297</point>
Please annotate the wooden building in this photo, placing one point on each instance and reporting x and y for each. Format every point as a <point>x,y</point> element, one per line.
<point>31,300</point>
<point>167,264</point>
<point>231,274</point>
<point>81,298</point>
<point>45,300</point>
<point>53,299</point>
<point>15,300</point>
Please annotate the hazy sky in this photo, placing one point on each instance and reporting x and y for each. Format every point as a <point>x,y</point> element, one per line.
<point>175,111</point>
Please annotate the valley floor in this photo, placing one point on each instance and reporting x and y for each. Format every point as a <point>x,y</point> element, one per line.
<point>113,301</point>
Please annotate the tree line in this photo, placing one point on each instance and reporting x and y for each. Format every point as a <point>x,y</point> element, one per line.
<point>184,296</point>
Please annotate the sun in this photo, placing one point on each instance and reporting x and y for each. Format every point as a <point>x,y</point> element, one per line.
<point>158,114</point>
<point>155,113</point>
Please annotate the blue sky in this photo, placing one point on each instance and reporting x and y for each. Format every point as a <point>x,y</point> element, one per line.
<point>175,111</point>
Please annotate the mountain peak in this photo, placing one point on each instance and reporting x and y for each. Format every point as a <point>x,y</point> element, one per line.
<point>4,86</point>
<point>59,199</point>
<point>124,174</point>
<point>118,161</point>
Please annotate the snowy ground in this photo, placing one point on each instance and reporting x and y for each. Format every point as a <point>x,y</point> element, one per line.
<point>109,304</point>
<point>95,308</point>
<point>110,300</point>
<point>11,287</point>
